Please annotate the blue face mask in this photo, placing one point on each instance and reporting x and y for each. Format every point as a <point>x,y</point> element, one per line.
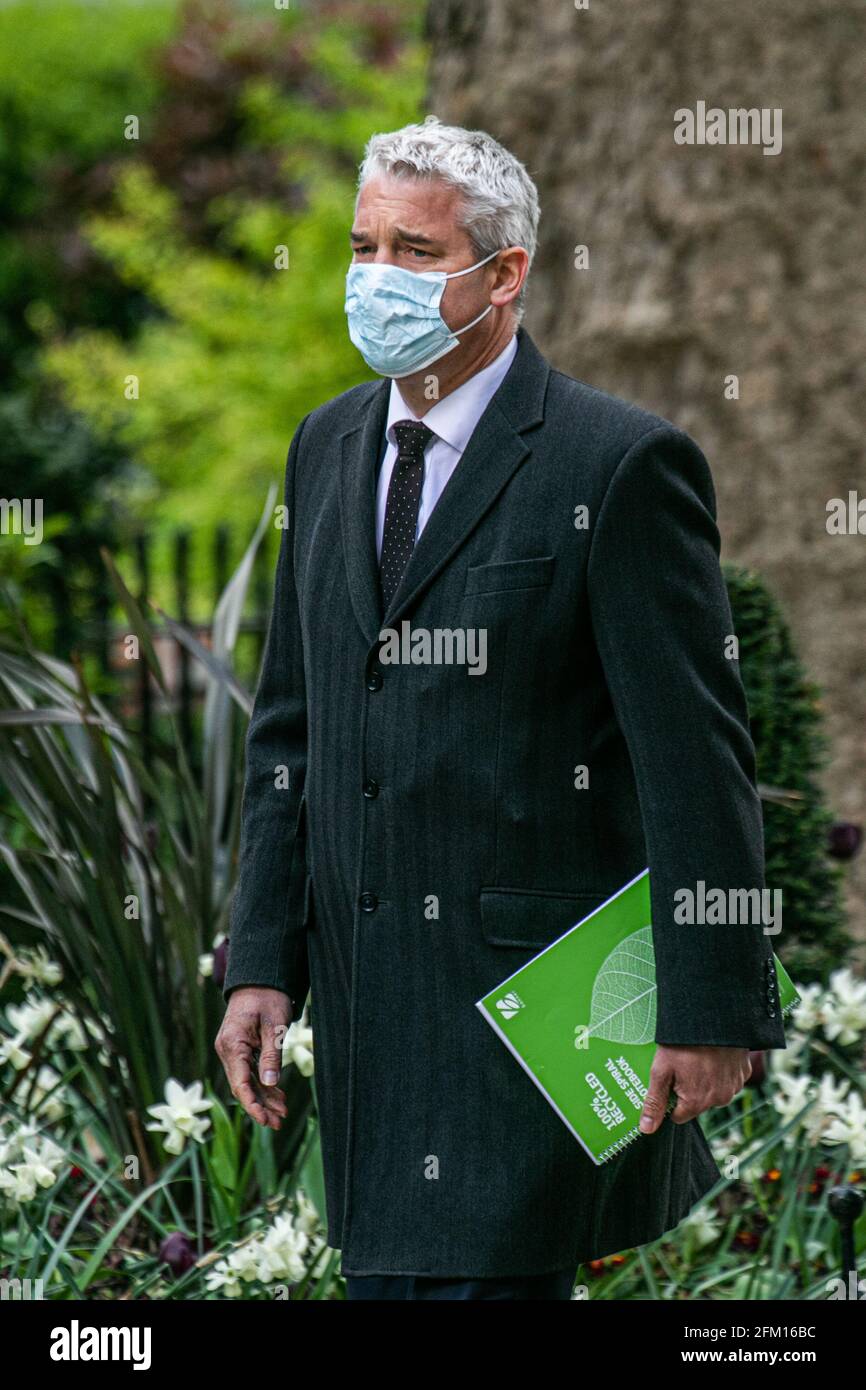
<point>394,318</point>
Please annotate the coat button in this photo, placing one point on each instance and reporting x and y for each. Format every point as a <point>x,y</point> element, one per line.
<point>368,902</point>
<point>370,789</point>
<point>374,679</point>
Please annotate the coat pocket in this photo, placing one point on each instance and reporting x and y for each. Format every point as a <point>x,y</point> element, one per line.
<point>524,917</point>
<point>510,574</point>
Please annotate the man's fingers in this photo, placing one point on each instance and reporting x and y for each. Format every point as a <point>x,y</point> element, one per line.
<point>253,1031</point>
<point>240,1078</point>
<point>267,1108</point>
<point>655,1101</point>
<point>686,1109</point>
<point>251,1103</point>
<point>272,1033</point>
<point>236,1052</point>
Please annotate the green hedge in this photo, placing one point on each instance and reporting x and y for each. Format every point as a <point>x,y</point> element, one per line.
<point>786,722</point>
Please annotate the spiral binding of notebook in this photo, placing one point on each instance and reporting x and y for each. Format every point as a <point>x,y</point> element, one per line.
<point>613,1149</point>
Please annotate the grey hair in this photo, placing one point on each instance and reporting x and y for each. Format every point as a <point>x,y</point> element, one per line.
<point>499,204</point>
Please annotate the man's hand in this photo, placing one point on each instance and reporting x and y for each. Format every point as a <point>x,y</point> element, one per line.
<point>256,1019</point>
<point>701,1077</point>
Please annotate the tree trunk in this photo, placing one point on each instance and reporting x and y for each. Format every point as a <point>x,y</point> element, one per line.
<point>706,262</point>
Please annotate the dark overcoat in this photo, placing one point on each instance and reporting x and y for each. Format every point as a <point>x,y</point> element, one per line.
<point>413,833</point>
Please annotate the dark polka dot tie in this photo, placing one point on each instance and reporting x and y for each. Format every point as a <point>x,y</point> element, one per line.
<point>401,510</point>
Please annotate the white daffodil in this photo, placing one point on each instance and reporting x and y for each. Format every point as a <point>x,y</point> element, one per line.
<point>28,1160</point>
<point>704,1225</point>
<point>844,1011</point>
<point>37,967</point>
<point>180,1118</point>
<point>24,1189</point>
<point>790,1058</point>
<point>849,1127</point>
<point>12,1051</point>
<point>244,1262</point>
<point>807,1014</point>
<point>28,1133</point>
<point>31,1018</point>
<point>66,1031</point>
<point>222,1280</point>
<point>281,1252</point>
<point>307,1218</point>
<point>47,1099</point>
<point>791,1095</point>
<point>50,1152</point>
<point>829,1096</point>
<point>298,1046</point>
<point>42,1171</point>
<point>35,1016</point>
<point>832,1093</point>
<point>205,962</point>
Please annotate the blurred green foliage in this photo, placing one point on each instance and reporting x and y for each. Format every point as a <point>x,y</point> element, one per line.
<point>790,742</point>
<point>245,331</point>
<point>69,73</point>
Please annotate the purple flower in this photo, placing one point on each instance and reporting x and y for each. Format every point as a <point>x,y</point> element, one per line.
<point>220,960</point>
<point>176,1251</point>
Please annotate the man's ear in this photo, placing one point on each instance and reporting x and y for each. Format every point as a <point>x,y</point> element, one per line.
<point>511,271</point>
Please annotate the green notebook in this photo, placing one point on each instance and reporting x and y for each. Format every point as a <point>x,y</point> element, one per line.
<point>580,1018</point>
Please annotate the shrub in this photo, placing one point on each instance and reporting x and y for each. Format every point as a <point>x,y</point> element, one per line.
<point>785,714</point>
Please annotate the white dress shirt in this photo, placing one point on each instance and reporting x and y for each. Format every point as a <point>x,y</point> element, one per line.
<point>452,421</point>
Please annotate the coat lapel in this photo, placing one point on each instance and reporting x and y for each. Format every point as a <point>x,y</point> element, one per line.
<point>361,447</point>
<point>495,451</point>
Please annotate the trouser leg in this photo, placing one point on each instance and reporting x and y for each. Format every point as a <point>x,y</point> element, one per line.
<point>418,1288</point>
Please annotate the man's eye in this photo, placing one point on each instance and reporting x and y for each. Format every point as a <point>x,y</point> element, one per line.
<point>414,251</point>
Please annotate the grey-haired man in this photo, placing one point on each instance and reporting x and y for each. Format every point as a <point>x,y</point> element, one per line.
<point>432,837</point>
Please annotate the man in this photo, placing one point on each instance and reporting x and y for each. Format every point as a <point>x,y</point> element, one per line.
<point>415,828</point>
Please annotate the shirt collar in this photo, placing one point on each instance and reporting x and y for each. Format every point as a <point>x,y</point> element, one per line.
<point>456,415</point>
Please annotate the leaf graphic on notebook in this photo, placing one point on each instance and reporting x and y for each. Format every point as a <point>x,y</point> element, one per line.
<point>623,1007</point>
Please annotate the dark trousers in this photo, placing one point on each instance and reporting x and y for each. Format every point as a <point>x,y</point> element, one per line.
<point>416,1286</point>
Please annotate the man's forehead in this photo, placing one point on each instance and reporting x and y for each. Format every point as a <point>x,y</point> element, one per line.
<point>428,206</point>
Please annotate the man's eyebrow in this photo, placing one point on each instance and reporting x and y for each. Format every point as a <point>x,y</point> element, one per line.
<point>419,237</point>
<point>416,236</point>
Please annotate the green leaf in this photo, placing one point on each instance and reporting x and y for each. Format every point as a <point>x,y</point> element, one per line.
<point>311,1176</point>
<point>623,1006</point>
<point>223,1155</point>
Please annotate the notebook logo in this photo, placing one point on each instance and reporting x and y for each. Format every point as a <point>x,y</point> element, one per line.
<point>509,1004</point>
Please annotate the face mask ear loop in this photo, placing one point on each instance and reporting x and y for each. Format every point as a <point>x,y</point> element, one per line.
<point>452,275</point>
<point>458,331</point>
